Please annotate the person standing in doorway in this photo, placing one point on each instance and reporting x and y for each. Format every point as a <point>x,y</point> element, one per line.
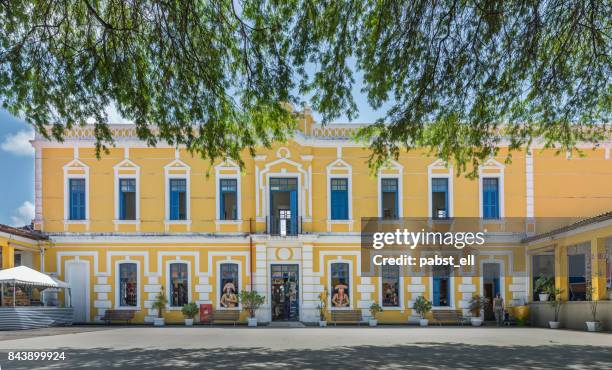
<point>498,309</point>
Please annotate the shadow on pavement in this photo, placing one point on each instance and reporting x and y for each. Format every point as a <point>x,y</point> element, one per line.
<point>423,355</point>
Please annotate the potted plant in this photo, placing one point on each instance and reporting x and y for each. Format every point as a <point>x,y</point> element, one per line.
<point>322,308</point>
<point>251,301</point>
<point>476,305</point>
<point>556,305</point>
<point>190,310</point>
<point>374,309</point>
<point>160,305</point>
<point>543,286</point>
<point>590,293</point>
<point>422,306</point>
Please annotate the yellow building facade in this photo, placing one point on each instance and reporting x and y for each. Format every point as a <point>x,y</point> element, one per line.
<point>288,224</point>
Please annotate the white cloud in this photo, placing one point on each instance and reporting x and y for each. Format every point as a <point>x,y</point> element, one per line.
<point>19,143</point>
<point>23,215</point>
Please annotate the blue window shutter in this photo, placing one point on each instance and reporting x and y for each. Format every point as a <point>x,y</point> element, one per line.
<point>222,205</point>
<point>77,199</point>
<point>490,197</point>
<point>293,206</point>
<point>496,286</point>
<point>436,290</point>
<point>339,199</point>
<point>174,203</point>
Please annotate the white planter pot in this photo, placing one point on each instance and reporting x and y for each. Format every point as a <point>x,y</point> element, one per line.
<point>554,324</point>
<point>543,297</point>
<point>476,321</point>
<point>159,321</point>
<point>423,322</point>
<point>373,322</point>
<point>322,324</point>
<point>252,321</point>
<point>592,325</point>
<point>188,322</point>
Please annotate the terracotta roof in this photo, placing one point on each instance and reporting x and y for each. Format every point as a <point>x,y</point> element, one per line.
<point>25,232</point>
<point>576,225</point>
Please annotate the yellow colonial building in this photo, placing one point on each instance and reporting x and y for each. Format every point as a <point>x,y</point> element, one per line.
<point>287,225</point>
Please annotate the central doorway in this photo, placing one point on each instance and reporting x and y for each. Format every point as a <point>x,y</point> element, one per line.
<point>285,293</point>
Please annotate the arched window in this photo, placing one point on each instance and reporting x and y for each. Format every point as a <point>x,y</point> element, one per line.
<point>179,284</point>
<point>229,285</point>
<point>340,284</point>
<point>390,286</point>
<point>128,284</point>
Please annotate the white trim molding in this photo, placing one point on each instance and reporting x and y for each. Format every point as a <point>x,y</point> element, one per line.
<point>392,165</point>
<point>75,165</point>
<point>440,165</point>
<point>125,166</point>
<point>492,165</point>
<point>341,165</point>
<point>118,285</point>
<point>222,172</point>
<point>178,166</point>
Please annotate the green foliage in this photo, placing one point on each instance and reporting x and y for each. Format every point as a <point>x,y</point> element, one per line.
<point>422,306</point>
<point>251,301</point>
<point>545,285</point>
<point>557,302</point>
<point>591,291</point>
<point>161,300</point>
<point>477,303</point>
<point>375,309</point>
<point>190,310</point>
<point>457,78</point>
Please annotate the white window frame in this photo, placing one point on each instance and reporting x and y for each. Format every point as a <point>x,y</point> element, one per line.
<point>223,176</point>
<point>118,285</point>
<point>438,165</point>
<point>452,291</point>
<point>220,289</point>
<point>349,176</point>
<point>186,176</point>
<point>169,306</point>
<point>331,288</point>
<point>401,292</point>
<point>502,273</point>
<point>67,177</point>
<point>499,175</point>
<point>400,194</point>
<point>119,176</point>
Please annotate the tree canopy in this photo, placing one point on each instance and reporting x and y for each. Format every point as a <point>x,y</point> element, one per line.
<point>460,76</point>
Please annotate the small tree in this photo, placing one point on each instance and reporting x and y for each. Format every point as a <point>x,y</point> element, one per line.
<point>251,301</point>
<point>190,310</point>
<point>375,309</point>
<point>161,300</point>
<point>322,304</point>
<point>477,304</point>
<point>557,302</point>
<point>422,306</point>
<point>590,295</point>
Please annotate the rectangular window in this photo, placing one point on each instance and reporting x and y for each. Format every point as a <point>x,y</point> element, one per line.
<point>178,199</point>
<point>339,199</point>
<point>128,285</point>
<point>439,198</point>
<point>179,289</point>
<point>77,199</point>
<point>127,199</point>
<point>17,259</point>
<point>441,286</point>
<point>229,199</point>
<point>340,285</point>
<point>229,285</point>
<point>390,286</point>
<point>390,203</point>
<point>490,197</point>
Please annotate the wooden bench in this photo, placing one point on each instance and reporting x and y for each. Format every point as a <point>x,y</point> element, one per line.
<point>225,317</point>
<point>346,317</point>
<point>452,317</point>
<point>118,315</point>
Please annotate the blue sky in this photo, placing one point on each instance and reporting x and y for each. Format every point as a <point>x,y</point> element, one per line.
<point>17,161</point>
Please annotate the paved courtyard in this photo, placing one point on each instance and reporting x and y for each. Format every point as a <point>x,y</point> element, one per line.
<point>310,348</point>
